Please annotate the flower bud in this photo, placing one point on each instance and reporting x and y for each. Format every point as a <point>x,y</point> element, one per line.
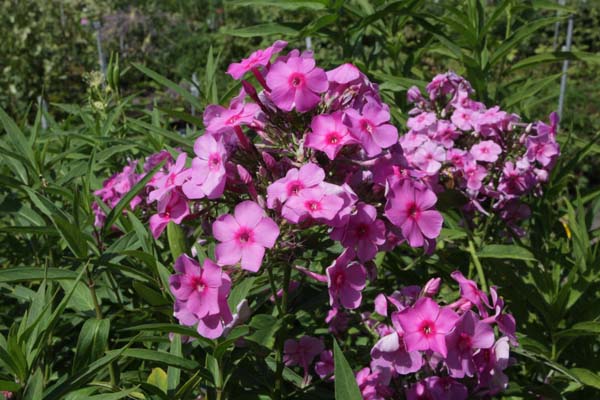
<point>431,288</point>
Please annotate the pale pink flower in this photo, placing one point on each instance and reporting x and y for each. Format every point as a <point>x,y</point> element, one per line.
<point>422,121</point>
<point>429,157</point>
<point>174,208</point>
<point>371,127</point>
<point>312,203</point>
<point>260,58</point>
<point>207,176</point>
<point>164,183</point>
<point>308,176</point>
<point>486,150</point>
<point>244,236</point>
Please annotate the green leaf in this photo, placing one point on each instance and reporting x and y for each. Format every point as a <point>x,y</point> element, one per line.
<point>114,396</point>
<point>266,326</point>
<point>173,373</point>
<point>170,84</point>
<point>35,386</point>
<point>158,378</point>
<point>160,357</point>
<point>262,30</point>
<point>586,377</point>
<point>92,342</point>
<point>284,4</point>
<point>176,238</point>
<point>18,139</point>
<point>346,387</point>
<point>9,386</point>
<point>505,251</point>
<point>588,328</point>
<point>124,202</point>
<point>26,274</point>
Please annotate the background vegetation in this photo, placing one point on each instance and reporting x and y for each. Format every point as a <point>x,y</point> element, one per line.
<point>87,314</point>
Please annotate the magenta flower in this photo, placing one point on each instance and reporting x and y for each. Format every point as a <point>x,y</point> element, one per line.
<point>346,279</point>
<point>296,83</point>
<point>244,236</point>
<point>469,335</point>
<point>474,174</point>
<point>343,74</point>
<point>308,176</point>
<point>164,183</point>
<point>207,175</point>
<point>231,118</point>
<point>437,388</point>
<point>486,150</point>
<point>364,232</point>
<point>328,134</point>
<point>260,58</point>
<point>542,148</point>
<point>302,352</point>
<point>463,118</point>
<point>374,385</point>
<point>173,208</point>
<point>325,365</point>
<point>409,208</point>
<point>312,203</point>
<point>469,291</point>
<point>490,363</point>
<point>201,295</point>
<point>426,325</point>
<point>371,128</point>
<point>390,353</point>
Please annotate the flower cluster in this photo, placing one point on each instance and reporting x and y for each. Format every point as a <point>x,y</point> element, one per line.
<point>462,348</point>
<point>485,153</point>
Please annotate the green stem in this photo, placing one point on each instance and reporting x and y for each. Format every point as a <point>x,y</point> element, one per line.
<point>273,287</point>
<point>278,393</point>
<point>478,266</point>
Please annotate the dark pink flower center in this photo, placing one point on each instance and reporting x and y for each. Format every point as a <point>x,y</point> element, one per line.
<point>427,328</point>
<point>171,179</point>
<point>362,230</point>
<point>244,236</point>
<point>294,187</point>
<point>297,80</point>
<point>366,126</point>
<point>312,205</point>
<point>339,278</point>
<point>214,161</point>
<point>233,119</point>
<point>464,341</point>
<point>413,210</point>
<point>484,150</point>
<point>197,283</point>
<point>333,138</point>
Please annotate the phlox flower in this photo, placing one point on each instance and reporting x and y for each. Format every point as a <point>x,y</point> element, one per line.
<point>469,335</point>
<point>463,118</point>
<point>474,174</point>
<point>296,83</point>
<point>437,388</point>
<point>364,232</point>
<point>328,133</point>
<point>426,325</point>
<point>172,208</point>
<point>302,352</point>
<point>370,127</point>
<point>390,353</point>
<point>346,279</point>
<point>541,148</point>
<point>325,365</point>
<point>244,236</point>
<point>469,291</point>
<point>490,364</point>
<point>231,118</point>
<point>429,157</point>
<point>207,175</point>
<point>422,121</point>
<point>487,151</point>
<point>308,176</point>
<point>409,208</point>
<point>201,295</point>
<point>374,385</point>
<point>174,177</point>
<point>260,58</point>
<point>312,203</point>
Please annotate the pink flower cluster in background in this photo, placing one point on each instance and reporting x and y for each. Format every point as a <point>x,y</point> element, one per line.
<point>487,154</point>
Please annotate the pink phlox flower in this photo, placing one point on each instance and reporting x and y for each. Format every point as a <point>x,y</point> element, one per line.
<point>325,366</point>
<point>154,159</point>
<point>444,133</point>
<point>244,236</point>
<point>302,352</point>
<point>371,127</point>
<point>296,83</point>
<point>515,181</point>
<point>201,295</point>
<point>470,292</point>
<point>260,58</point>
<point>457,157</point>
<point>429,157</point>
<point>345,280</point>
<point>412,140</point>
<point>474,175</point>
<point>313,275</point>
<point>308,176</point>
<point>410,208</point>
<point>490,364</point>
<point>343,74</point>
<point>230,118</point>
<point>337,320</point>
<point>374,385</point>
<point>328,134</point>
<point>313,203</point>
<point>464,118</point>
<point>421,121</point>
<point>426,325</point>
<point>487,151</point>
<point>174,208</point>
<point>390,353</point>
<point>364,232</point>
<point>207,176</point>
<point>165,182</point>
<point>542,148</point>
<point>542,128</point>
<point>469,335</point>
<point>437,388</point>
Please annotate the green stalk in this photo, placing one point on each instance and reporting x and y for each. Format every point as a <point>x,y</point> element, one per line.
<point>278,393</point>
<point>478,266</point>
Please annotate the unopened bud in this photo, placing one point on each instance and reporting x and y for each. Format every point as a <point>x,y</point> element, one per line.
<point>431,288</point>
